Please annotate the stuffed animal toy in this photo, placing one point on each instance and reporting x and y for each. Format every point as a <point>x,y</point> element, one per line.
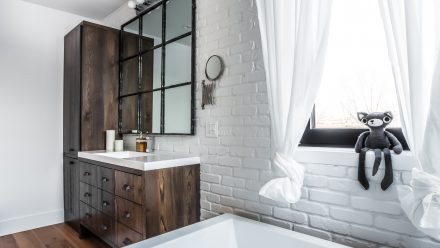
<point>379,140</point>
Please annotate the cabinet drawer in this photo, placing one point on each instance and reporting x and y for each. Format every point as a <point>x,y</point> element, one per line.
<point>125,236</point>
<point>129,213</point>
<point>129,186</point>
<point>88,215</point>
<point>106,203</point>
<point>87,173</point>
<point>88,194</point>
<point>105,227</point>
<point>106,179</point>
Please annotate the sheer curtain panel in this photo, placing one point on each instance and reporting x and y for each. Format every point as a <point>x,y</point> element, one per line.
<point>294,36</point>
<point>412,29</point>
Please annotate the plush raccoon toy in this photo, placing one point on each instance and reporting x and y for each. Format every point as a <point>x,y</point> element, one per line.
<point>379,140</point>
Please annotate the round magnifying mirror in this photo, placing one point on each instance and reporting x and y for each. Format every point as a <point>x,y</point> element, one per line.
<point>214,67</point>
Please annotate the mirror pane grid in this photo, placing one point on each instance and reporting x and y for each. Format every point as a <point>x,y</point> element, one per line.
<point>150,109</point>
<point>129,114</point>
<point>152,28</point>
<point>130,76</point>
<point>178,18</point>
<point>151,67</point>
<point>130,39</point>
<point>178,61</point>
<point>178,110</point>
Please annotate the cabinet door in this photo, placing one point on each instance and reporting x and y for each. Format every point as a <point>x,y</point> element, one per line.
<point>71,192</point>
<point>72,87</point>
<point>99,92</point>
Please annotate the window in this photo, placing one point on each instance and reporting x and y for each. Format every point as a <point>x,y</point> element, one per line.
<point>357,76</point>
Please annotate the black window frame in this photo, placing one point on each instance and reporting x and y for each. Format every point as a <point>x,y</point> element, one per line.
<point>339,137</point>
<point>163,87</point>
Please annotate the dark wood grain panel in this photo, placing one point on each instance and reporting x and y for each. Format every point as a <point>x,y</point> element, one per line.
<point>71,191</point>
<point>129,114</point>
<point>106,229</point>
<point>89,195</point>
<point>88,173</point>
<point>106,179</point>
<point>125,236</point>
<point>106,203</point>
<point>172,199</point>
<point>8,241</point>
<point>129,214</point>
<point>88,216</point>
<point>99,85</point>
<point>129,186</point>
<point>113,166</point>
<point>72,95</point>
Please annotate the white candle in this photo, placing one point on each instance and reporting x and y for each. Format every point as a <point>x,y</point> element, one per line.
<point>119,145</point>
<point>110,140</point>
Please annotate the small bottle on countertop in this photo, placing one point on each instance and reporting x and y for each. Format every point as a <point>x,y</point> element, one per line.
<point>150,144</point>
<point>141,143</point>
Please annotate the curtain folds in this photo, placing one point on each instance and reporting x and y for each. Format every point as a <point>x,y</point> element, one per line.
<point>294,36</point>
<point>412,30</point>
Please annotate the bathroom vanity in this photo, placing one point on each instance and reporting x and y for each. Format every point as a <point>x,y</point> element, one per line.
<point>136,79</point>
<point>126,197</point>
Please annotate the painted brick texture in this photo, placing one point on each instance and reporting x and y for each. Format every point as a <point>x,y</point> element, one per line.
<point>237,163</point>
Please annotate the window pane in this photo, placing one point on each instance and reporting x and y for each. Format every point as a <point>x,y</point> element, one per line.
<point>179,20</point>
<point>357,75</point>
<point>178,110</point>
<point>130,39</point>
<point>130,74</point>
<point>151,69</point>
<point>152,28</point>
<point>178,62</point>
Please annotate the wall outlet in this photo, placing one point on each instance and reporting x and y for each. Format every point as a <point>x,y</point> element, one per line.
<point>212,129</point>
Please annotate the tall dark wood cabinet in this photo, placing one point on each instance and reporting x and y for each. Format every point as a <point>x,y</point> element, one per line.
<point>91,54</point>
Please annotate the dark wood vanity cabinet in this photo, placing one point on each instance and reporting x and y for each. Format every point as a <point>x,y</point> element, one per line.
<point>123,206</point>
<point>71,191</point>
<point>91,54</point>
<point>90,104</point>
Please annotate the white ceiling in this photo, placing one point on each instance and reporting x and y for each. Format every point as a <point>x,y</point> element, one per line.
<point>94,9</point>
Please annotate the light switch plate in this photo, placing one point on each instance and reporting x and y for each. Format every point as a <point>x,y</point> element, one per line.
<point>211,129</point>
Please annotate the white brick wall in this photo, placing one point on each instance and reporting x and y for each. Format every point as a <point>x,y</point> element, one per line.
<point>236,164</point>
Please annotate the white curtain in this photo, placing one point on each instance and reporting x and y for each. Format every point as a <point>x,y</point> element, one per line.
<point>412,29</point>
<point>294,36</point>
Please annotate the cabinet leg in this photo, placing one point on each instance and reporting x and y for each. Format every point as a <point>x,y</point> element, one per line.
<point>83,232</point>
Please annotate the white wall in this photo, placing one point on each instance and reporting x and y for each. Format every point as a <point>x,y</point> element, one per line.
<point>237,163</point>
<point>31,92</point>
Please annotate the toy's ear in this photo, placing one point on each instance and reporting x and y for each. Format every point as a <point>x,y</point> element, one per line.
<point>389,114</point>
<point>361,115</point>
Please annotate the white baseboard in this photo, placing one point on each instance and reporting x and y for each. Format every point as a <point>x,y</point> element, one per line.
<point>24,223</point>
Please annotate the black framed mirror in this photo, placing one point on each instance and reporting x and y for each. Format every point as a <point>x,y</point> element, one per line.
<point>157,70</point>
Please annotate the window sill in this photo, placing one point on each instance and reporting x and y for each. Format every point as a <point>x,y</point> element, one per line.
<point>348,157</point>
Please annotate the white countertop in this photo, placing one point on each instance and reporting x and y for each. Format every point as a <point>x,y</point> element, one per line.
<point>141,161</point>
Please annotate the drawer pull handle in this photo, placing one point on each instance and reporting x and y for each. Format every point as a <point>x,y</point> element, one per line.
<point>104,180</point>
<point>127,241</point>
<point>127,215</point>
<point>88,216</point>
<point>105,203</point>
<point>86,174</point>
<point>71,162</point>
<point>126,187</point>
<point>104,227</point>
<point>71,149</point>
<point>87,194</point>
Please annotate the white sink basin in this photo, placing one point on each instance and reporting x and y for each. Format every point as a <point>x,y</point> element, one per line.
<point>126,154</point>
